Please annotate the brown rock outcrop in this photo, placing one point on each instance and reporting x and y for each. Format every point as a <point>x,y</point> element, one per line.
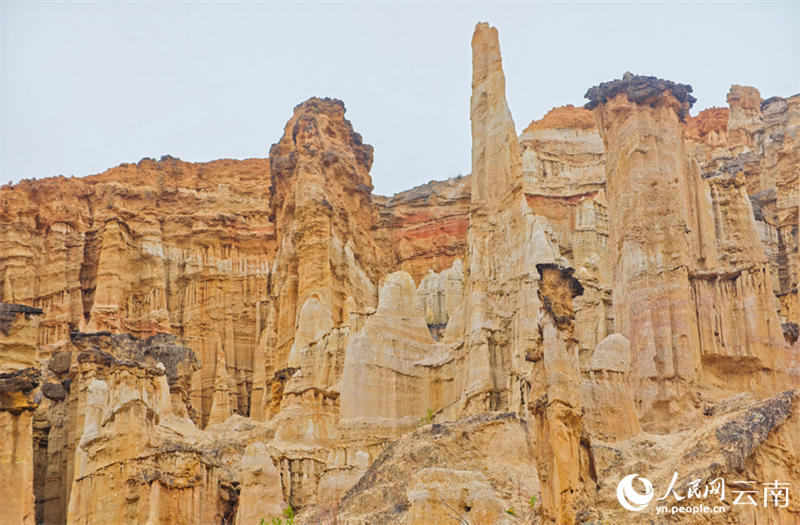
<point>19,376</point>
<point>474,350</point>
<point>424,228</point>
<point>155,247</point>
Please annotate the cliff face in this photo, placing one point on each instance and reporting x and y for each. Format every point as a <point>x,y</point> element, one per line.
<point>425,228</point>
<point>612,292</point>
<point>19,377</point>
<point>155,247</point>
<point>759,140</point>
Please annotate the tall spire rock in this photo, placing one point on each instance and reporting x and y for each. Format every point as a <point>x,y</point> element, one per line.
<point>519,319</point>
<point>496,162</point>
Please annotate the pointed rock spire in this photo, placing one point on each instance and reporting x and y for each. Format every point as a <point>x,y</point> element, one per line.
<point>496,162</point>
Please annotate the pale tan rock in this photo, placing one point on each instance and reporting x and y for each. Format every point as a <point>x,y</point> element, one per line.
<point>438,495</point>
<point>130,438</point>
<point>383,391</point>
<point>260,494</point>
<point>386,493</point>
<point>496,163</point>
<point>745,118</point>
<point>562,163</point>
<point>441,294</point>
<point>18,332</point>
<point>609,412</point>
<point>705,261</point>
<point>221,406</point>
<point>652,292</point>
<point>590,247</point>
<point>383,354</point>
<point>19,376</point>
<point>16,458</point>
<point>763,149</point>
<point>594,314</point>
<point>744,440</point>
<point>612,354</point>
<point>310,405</point>
<point>314,323</point>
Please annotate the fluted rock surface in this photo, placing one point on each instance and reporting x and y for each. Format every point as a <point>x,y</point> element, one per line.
<point>155,247</point>
<point>19,377</point>
<point>613,291</point>
<point>321,202</point>
<point>684,266</point>
<point>762,146</point>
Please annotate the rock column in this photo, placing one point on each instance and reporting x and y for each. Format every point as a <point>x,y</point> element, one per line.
<point>653,245</point>
<point>19,376</point>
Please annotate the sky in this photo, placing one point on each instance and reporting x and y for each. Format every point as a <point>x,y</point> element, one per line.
<point>86,86</point>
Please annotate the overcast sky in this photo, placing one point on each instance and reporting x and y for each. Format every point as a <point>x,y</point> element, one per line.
<point>90,85</point>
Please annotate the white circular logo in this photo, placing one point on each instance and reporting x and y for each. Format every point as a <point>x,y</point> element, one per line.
<point>629,498</point>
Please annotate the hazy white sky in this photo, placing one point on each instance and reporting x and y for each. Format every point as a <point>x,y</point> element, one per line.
<point>89,85</point>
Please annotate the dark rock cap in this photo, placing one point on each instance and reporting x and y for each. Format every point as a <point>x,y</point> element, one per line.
<point>640,88</point>
<point>8,311</point>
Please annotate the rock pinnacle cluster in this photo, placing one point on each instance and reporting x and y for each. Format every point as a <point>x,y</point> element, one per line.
<point>613,292</point>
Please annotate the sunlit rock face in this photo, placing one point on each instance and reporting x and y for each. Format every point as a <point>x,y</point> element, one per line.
<point>155,247</point>
<point>699,239</point>
<point>613,291</point>
<point>19,378</point>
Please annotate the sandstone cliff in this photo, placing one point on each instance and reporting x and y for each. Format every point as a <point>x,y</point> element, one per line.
<point>613,292</point>
<point>19,377</point>
<point>155,247</point>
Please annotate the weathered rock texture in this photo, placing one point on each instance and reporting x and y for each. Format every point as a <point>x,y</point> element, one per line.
<point>425,228</point>
<point>612,292</point>
<point>155,247</point>
<point>19,376</point>
<point>691,283</point>
<point>476,469</point>
<point>759,139</point>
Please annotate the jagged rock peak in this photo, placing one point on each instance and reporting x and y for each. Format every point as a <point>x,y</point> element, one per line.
<point>496,163</point>
<point>641,89</point>
<point>320,120</point>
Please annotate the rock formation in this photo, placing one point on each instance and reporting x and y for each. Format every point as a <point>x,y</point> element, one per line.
<point>19,377</point>
<point>474,469</point>
<point>613,292</point>
<point>155,247</point>
<point>692,290</point>
<point>424,228</point>
<point>321,201</point>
